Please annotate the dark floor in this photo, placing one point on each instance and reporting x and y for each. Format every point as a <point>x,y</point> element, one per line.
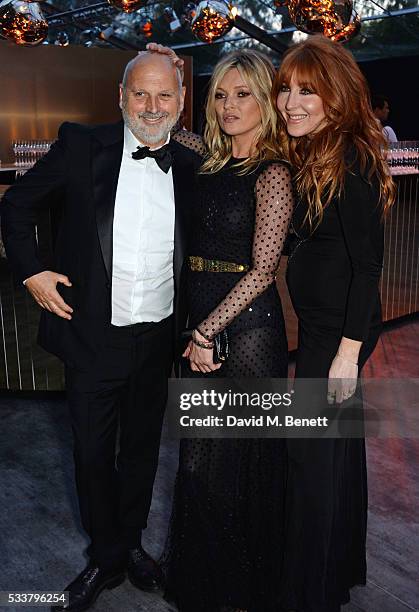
<point>41,544</point>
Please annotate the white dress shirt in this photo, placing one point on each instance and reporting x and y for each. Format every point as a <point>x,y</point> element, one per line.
<point>143,240</point>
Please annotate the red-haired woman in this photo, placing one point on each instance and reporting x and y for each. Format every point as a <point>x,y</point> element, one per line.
<point>332,140</point>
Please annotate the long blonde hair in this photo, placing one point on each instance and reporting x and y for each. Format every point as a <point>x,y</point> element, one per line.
<point>257,71</point>
<point>330,71</point>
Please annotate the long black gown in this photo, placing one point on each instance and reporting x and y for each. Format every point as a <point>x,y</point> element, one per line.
<point>226,530</point>
<point>333,276</point>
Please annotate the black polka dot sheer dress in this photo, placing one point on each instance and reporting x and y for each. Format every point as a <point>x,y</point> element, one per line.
<point>226,533</point>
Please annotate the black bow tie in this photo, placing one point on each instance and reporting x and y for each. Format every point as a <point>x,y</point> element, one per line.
<point>162,156</point>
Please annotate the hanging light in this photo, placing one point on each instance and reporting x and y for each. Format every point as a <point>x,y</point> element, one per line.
<point>144,27</point>
<point>62,39</point>
<point>172,19</point>
<point>343,10</point>
<point>340,16</point>
<point>128,6</point>
<point>347,31</point>
<point>213,19</point>
<point>23,22</point>
<point>336,19</point>
<point>312,16</point>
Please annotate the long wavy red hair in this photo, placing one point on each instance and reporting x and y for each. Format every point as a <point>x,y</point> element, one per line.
<point>320,159</point>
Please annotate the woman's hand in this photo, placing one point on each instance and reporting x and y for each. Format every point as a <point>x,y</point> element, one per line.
<point>201,359</point>
<point>157,48</point>
<point>343,375</point>
<point>187,350</point>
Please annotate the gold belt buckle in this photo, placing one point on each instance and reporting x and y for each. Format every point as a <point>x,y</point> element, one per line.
<point>197,263</point>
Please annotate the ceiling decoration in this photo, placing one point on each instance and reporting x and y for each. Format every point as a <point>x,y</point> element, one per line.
<point>206,30</point>
<point>213,19</point>
<point>23,22</point>
<point>336,19</point>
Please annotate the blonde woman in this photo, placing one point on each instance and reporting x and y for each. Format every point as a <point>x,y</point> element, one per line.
<point>226,531</point>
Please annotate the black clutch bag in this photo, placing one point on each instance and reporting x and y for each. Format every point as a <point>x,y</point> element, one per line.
<point>221,349</point>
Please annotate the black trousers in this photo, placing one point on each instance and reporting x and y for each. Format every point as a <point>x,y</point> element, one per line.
<point>125,391</point>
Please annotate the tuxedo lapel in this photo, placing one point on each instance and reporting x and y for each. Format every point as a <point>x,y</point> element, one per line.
<point>106,161</point>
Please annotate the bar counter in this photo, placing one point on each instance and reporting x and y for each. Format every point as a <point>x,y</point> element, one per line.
<point>25,366</point>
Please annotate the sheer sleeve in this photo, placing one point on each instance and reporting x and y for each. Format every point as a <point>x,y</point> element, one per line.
<point>190,141</point>
<point>360,218</point>
<point>274,206</point>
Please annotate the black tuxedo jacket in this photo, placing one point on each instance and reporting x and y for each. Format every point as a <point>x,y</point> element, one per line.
<point>82,169</point>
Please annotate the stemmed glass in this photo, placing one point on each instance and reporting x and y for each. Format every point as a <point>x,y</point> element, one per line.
<point>27,152</point>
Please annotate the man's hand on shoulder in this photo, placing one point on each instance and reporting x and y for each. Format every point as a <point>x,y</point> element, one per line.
<point>43,288</point>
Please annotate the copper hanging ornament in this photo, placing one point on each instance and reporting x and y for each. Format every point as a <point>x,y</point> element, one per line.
<point>336,19</point>
<point>213,19</point>
<point>23,22</point>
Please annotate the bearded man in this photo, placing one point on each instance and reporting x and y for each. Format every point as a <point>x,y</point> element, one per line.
<point>113,305</point>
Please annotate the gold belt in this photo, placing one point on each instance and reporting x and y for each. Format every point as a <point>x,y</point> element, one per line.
<point>199,264</point>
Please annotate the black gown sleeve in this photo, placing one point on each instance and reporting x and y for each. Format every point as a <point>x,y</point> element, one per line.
<point>274,207</point>
<point>360,216</point>
<point>21,203</point>
<point>190,141</point>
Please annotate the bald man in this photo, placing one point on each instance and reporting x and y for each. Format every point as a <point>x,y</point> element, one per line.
<point>113,304</point>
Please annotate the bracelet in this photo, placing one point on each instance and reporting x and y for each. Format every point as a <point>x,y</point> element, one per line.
<point>203,335</point>
<point>355,363</point>
<point>202,345</point>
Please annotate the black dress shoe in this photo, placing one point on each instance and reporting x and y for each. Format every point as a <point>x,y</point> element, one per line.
<point>87,587</point>
<point>143,571</point>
